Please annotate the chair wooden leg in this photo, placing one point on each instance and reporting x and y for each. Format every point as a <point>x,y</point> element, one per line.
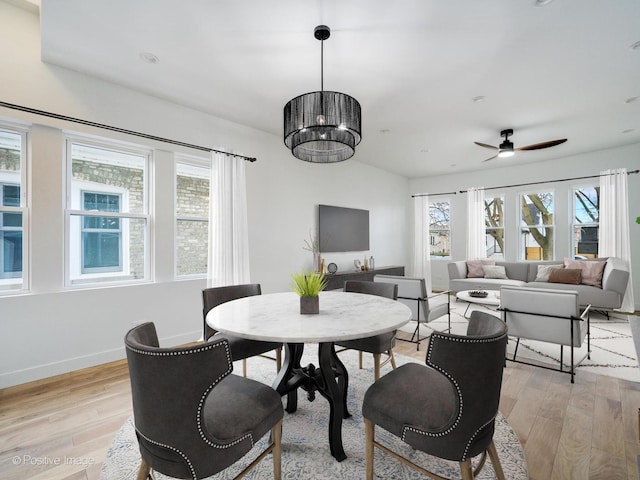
<point>244,367</point>
<point>392,358</point>
<point>376,366</point>
<point>495,461</point>
<point>360,360</point>
<point>466,470</point>
<point>277,451</point>
<point>369,437</point>
<point>279,358</point>
<point>143,472</point>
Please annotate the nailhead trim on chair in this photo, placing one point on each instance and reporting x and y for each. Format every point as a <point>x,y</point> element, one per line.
<point>446,374</point>
<point>201,406</point>
<point>457,421</point>
<point>174,353</point>
<point>466,449</point>
<point>186,459</point>
<point>204,395</point>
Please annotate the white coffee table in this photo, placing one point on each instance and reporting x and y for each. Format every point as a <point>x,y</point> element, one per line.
<point>491,300</point>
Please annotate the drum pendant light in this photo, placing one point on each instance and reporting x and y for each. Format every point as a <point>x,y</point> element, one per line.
<point>324,126</point>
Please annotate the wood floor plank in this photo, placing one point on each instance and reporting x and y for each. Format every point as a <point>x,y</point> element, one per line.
<point>524,414</point>
<point>573,456</point>
<point>541,447</point>
<point>607,423</point>
<point>556,401</point>
<point>604,466</point>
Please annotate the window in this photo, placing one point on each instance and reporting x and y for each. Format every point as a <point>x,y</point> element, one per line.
<point>494,221</point>
<point>101,236</point>
<point>440,229</point>
<point>12,210</point>
<point>107,214</point>
<point>537,226</point>
<point>192,217</point>
<point>586,218</point>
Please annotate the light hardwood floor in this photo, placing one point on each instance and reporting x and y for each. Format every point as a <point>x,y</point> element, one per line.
<point>588,430</point>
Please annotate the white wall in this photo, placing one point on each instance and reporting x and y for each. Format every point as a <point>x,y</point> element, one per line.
<point>569,167</point>
<point>48,330</point>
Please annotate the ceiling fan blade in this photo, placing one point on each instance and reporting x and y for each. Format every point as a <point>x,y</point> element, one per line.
<point>486,146</point>
<point>490,158</point>
<point>538,146</point>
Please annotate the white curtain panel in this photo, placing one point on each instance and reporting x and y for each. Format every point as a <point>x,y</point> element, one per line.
<point>614,224</point>
<point>421,267</point>
<point>476,242</point>
<point>228,227</point>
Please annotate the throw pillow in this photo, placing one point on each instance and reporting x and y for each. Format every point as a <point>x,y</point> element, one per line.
<point>592,270</point>
<point>571,276</point>
<point>494,271</point>
<point>474,267</point>
<point>544,271</point>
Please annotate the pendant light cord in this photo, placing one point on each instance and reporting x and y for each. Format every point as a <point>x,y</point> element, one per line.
<point>321,65</point>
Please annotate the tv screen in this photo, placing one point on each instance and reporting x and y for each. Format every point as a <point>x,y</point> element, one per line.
<point>343,229</point>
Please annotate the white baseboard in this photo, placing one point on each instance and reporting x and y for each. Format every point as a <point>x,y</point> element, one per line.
<point>38,372</point>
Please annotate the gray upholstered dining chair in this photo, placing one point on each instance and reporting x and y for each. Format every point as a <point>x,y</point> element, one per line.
<point>193,418</point>
<point>425,305</point>
<point>241,348</point>
<point>423,404</point>
<point>378,344</point>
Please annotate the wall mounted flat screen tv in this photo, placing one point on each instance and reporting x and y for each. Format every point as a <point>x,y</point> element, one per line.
<point>342,229</point>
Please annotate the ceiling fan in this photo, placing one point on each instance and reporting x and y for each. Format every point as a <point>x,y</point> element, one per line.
<point>506,148</point>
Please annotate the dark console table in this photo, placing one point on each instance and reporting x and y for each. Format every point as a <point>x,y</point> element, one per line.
<point>336,281</point>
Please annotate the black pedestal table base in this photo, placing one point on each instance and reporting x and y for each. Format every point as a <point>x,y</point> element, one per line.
<point>330,379</point>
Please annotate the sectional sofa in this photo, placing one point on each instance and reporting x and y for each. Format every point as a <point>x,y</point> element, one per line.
<point>607,296</point>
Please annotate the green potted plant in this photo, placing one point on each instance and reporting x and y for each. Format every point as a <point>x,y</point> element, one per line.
<point>308,285</point>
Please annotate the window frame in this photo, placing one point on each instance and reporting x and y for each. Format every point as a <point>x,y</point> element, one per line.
<point>8,283</point>
<point>573,247</point>
<point>188,161</point>
<point>121,231</point>
<point>502,198</point>
<point>431,231</point>
<point>74,275</point>
<point>522,244</point>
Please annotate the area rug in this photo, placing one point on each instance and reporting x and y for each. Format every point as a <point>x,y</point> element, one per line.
<point>305,448</point>
<point>612,348</point>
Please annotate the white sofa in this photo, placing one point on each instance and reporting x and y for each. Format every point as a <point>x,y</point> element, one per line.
<point>520,274</point>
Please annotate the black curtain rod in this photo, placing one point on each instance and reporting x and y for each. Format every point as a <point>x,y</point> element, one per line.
<point>117,129</point>
<point>432,194</point>
<point>552,181</point>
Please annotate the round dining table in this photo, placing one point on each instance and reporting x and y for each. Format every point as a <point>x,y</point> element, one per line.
<point>276,317</point>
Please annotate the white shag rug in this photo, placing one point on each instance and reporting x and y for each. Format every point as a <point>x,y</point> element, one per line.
<point>305,448</point>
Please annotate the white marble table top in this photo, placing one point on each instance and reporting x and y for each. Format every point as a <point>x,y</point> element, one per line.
<point>276,317</point>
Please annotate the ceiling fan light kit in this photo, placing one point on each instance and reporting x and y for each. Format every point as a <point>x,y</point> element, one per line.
<point>506,148</point>
<point>322,126</point>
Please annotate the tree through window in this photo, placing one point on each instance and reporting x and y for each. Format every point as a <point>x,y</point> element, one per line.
<point>440,229</point>
<point>586,222</point>
<point>494,222</point>
<point>537,227</point>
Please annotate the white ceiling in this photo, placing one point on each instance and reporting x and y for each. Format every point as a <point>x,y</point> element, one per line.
<point>562,70</point>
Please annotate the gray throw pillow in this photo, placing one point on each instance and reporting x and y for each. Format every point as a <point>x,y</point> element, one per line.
<point>494,271</point>
<point>544,271</point>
